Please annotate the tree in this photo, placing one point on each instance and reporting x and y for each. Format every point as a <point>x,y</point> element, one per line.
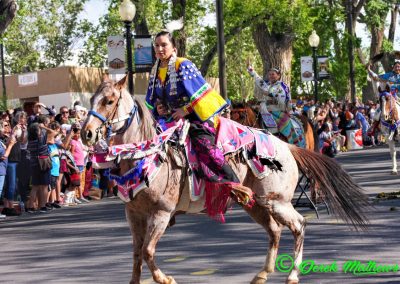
<point>8,9</point>
<point>42,34</point>
<point>374,18</point>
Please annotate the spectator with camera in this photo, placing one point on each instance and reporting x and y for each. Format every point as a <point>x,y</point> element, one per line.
<point>6,144</point>
<point>23,169</point>
<point>10,184</point>
<point>37,111</point>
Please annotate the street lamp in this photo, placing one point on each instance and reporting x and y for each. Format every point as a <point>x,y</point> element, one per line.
<point>313,40</point>
<point>127,12</point>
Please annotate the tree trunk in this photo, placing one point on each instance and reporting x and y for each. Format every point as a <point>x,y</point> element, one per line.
<point>179,11</point>
<point>8,9</point>
<point>393,22</point>
<point>377,36</point>
<point>229,34</point>
<point>276,50</point>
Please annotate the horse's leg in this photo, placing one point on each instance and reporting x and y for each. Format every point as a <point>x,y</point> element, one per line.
<point>284,213</point>
<point>156,225</point>
<point>261,215</point>
<point>392,149</point>
<point>137,227</point>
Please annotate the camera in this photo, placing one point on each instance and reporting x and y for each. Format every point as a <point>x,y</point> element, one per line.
<point>75,130</point>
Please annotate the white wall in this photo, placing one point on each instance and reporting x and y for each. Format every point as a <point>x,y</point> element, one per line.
<point>65,99</point>
<point>56,100</point>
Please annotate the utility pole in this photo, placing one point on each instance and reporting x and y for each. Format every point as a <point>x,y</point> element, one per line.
<point>221,48</point>
<point>350,31</point>
<point>3,75</point>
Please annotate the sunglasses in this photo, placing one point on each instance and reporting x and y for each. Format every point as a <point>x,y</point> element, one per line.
<point>63,112</point>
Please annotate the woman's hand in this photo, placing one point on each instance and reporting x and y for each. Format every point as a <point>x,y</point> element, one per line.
<point>178,114</point>
<point>12,140</point>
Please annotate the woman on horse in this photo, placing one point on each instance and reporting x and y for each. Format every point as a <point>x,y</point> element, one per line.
<point>177,90</point>
<point>275,104</point>
<point>392,78</point>
<point>391,82</point>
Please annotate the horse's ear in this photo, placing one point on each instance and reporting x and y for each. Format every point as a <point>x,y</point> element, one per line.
<point>105,77</point>
<point>122,83</point>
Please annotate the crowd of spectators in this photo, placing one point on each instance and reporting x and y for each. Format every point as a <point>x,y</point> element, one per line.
<point>333,119</point>
<point>46,134</point>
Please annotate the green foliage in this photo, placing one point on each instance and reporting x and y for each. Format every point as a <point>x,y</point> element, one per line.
<point>94,51</point>
<point>240,85</point>
<point>42,34</point>
<point>45,32</point>
<point>376,11</point>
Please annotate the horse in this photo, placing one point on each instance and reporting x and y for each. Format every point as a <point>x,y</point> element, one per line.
<point>247,116</point>
<point>114,110</point>
<point>389,124</point>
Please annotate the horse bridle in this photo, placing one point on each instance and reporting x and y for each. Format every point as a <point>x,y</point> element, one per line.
<point>392,124</point>
<point>106,122</point>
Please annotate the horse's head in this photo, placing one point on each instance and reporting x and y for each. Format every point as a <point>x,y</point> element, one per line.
<point>112,109</point>
<point>388,107</point>
<point>245,116</point>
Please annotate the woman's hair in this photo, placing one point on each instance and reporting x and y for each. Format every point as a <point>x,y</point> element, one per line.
<point>43,119</point>
<point>20,114</point>
<point>54,125</point>
<point>166,33</point>
<point>276,70</point>
<point>1,125</point>
<point>33,131</point>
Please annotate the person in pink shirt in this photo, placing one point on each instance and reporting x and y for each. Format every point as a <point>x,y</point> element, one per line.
<point>77,151</point>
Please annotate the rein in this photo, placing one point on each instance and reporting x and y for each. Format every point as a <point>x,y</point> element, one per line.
<point>106,122</point>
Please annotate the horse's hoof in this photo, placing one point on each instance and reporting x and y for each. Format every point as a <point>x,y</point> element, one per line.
<point>394,173</point>
<point>170,280</point>
<point>292,282</point>
<point>258,280</point>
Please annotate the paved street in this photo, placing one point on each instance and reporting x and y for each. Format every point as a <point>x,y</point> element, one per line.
<point>91,243</point>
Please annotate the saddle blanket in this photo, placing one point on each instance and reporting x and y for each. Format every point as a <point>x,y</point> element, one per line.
<point>268,120</point>
<point>148,155</point>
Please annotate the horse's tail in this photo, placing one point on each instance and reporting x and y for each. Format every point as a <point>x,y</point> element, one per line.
<point>346,199</point>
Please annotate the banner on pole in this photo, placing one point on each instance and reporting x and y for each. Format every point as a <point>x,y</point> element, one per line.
<point>306,66</point>
<point>143,52</point>
<point>323,67</point>
<point>116,54</point>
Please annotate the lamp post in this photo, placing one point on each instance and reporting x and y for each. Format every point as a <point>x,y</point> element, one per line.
<point>349,23</point>
<point>127,12</point>
<point>313,40</point>
<point>3,78</point>
<point>221,48</point>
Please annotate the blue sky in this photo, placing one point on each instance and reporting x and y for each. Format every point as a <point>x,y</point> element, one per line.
<point>94,9</point>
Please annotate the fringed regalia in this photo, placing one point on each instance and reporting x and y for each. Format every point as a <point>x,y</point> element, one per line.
<point>181,85</point>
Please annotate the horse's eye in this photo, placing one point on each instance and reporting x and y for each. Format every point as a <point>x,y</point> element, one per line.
<point>110,102</point>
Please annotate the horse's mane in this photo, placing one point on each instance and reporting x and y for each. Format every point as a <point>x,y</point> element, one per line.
<point>395,113</point>
<point>147,122</point>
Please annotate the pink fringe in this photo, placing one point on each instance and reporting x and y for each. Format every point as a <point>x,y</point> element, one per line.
<point>217,197</point>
